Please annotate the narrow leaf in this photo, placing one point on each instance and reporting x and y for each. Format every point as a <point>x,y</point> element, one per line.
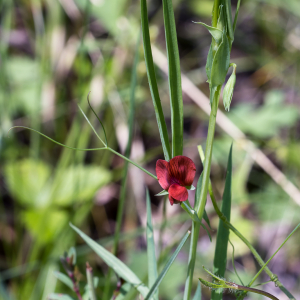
<point>193,214</point>
<point>54,296</point>
<point>152,265</point>
<point>205,217</point>
<point>64,279</point>
<point>166,268</point>
<point>215,32</point>
<point>229,20</point>
<point>220,258</point>
<point>117,265</point>
<point>174,78</point>
<point>197,295</point>
<point>162,193</point>
<point>153,84</point>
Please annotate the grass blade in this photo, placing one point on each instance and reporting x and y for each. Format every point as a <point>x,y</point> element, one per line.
<point>167,267</point>
<point>153,84</point>
<point>197,295</point>
<point>152,265</point>
<point>220,258</point>
<point>174,78</point>
<point>64,279</point>
<point>117,265</point>
<point>54,296</point>
<point>121,204</point>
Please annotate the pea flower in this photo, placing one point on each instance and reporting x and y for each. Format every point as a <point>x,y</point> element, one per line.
<point>176,176</point>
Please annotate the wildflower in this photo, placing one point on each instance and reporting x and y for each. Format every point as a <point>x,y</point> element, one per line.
<point>176,176</point>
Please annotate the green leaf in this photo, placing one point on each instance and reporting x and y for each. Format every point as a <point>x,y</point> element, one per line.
<point>220,258</point>
<point>220,63</point>
<point>193,214</point>
<point>162,193</point>
<point>174,79</point>
<point>215,32</point>
<point>197,295</point>
<point>152,265</point>
<point>209,62</point>
<point>117,265</point>
<point>166,268</point>
<point>229,20</point>
<point>64,279</point>
<point>153,84</point>
<point>54,296</point>
<point>205,217</point>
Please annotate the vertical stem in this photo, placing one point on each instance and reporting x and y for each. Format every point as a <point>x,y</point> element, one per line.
<point>215,15</point>
<point>203,194</point>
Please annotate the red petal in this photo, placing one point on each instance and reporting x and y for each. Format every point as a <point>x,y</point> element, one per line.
<point>162,173</point>
<point>182,170</point>
<point>177,192</point>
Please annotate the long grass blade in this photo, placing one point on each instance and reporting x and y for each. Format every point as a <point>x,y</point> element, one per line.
<point>153,84</point>
<point>174,78</point>
<point>117,265</point>
<point>220,258</point>
<point>197,295</point>
<point>64,279</point>
<point>167,267</point>
<point>152,265</point>
<point>122,199</point>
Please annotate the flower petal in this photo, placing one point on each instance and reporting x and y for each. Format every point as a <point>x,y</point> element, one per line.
<point>162,173</point>
<point>182,170</point>
<point>177,193</point>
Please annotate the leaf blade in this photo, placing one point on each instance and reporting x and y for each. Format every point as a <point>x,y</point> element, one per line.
<point>162,127</point>
<point>152,265</point>
<point>167,267</point>
<point>174,78</point>
<point>117,265</point>
<point>220,258</point>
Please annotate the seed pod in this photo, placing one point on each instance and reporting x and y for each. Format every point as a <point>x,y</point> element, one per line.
<point>228,90</point>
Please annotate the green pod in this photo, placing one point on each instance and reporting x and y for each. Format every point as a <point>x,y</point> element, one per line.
<point>228,90</point>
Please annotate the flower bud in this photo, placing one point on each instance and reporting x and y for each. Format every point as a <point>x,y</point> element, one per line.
<point>228,90</point>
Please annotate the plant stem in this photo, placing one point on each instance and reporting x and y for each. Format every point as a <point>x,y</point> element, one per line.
<point>215,15</point>
<point>199,208</point>
<point>261,262</point>
<point>127,159</point>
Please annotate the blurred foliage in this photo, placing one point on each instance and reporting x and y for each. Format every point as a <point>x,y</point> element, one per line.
<point>52,53</point>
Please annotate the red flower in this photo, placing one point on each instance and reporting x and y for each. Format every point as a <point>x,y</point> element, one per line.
<point>174,176</point>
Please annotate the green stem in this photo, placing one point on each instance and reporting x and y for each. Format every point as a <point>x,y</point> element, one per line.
<point>199,208</point>
<point>261,262</point>
<point>215,15</point>
<point>135,164</point>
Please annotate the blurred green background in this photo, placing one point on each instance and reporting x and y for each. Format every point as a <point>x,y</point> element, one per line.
<point>53,52</point>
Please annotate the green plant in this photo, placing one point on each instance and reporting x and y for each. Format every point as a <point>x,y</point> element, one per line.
<point>218,63</point>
